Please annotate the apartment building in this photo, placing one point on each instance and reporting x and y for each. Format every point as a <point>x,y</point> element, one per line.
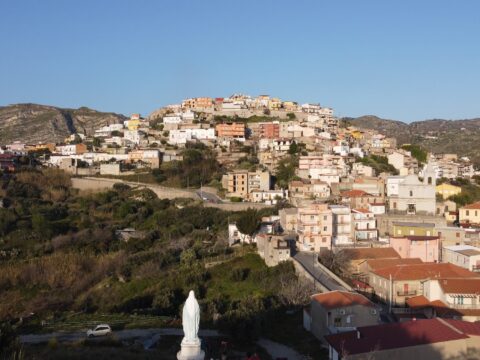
<point>270,130</point>
<point>242,183</point>
<point>426,248</point>
<point>313,189</point>
<point>396,284</point>
<point>341,225</point>
<point>364,225</point>
<point>231,131</point>
<point>315,227</point>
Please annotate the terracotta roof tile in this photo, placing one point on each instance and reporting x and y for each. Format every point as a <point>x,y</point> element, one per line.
<point>372,253</point>
<point>340,299</point>
<point>475,206</point>
<point>397,335</point>
<point>460,286</point>
<point>375,264</point>
<point>416,302</point>
<point>424,271</point>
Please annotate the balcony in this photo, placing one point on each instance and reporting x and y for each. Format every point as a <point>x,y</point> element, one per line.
<point>407,293</point>
<point>463,306</point>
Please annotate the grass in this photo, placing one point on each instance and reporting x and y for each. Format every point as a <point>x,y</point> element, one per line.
<point>221,283</point>
<point>287,329</point>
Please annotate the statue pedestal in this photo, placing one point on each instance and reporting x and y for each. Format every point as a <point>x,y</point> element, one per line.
<point>191,351</point>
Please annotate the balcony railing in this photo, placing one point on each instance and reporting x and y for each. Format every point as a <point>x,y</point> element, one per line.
<point>407,293</point>
<point>463,306</point>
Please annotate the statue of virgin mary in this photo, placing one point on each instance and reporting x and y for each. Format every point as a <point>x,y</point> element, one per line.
<point>191,319</point>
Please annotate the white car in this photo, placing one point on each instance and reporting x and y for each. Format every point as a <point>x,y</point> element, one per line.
<point>99,330</point>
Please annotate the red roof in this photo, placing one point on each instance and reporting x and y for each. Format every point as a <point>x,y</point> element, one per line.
<point>475,205</point>
<point>460,286</point>
<point>416,302</point>
<point>372,253</point>
<point>339,299</point>
<point>400,335</point>
<point>424,271</point>
<point>374,264</point>
<point>354,193</point>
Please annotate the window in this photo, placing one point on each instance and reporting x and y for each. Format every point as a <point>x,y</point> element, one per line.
<point>324,228</point>
<point>428,234</point>
<point>467,213</point>
<point>411,193</point>
<point>337,321</point>
<point>412,232</point>
<point>457,234</point>
<point>325,217</point>
<point>429,180</point>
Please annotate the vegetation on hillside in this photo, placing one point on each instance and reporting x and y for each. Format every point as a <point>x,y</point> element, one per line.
<point>286,171</point>
<point>417,152</point>
<point>379,164</point>
<point>60,252</point>
<point>198,167</point>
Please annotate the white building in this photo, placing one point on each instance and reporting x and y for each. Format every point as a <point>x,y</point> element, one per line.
<point>132,136</point>
<point>270,197</point>
<point>465,256</point>
<point>364,225</point>
<point>342,225</point>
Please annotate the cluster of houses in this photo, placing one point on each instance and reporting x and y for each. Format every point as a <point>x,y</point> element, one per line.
<point>401,305</point>
<point>414,254</point>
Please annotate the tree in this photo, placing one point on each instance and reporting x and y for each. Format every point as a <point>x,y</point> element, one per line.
<point>248,222</point>
<point>338,262</point>
<point>286,171</point>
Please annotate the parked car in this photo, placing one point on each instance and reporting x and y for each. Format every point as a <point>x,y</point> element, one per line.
<point>99,330</point>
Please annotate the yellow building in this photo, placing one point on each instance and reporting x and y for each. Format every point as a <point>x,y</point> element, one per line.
<point>447,190</point>
<point>401,229</point>
<point>470,214</point>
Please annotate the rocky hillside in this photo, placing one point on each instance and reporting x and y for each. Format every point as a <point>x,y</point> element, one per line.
<point>437,135</point>
<point>33,123</point>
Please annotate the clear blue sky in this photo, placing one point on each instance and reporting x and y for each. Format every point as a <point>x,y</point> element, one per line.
<point>406,59</point>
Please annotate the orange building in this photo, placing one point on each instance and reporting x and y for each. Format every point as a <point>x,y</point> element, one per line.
<point>269,130</point>
<point>231,130</point>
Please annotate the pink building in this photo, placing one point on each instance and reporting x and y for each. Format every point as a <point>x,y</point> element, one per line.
<point>424,247</point>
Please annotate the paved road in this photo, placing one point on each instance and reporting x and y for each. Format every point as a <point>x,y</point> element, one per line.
<point>310,263</point>
<point>209,197</point>
<point>140,334</point>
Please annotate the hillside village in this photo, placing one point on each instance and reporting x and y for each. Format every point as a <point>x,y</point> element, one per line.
<point>395,229</point>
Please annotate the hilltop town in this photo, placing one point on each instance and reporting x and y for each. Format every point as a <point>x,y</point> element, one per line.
<point>387,234</point>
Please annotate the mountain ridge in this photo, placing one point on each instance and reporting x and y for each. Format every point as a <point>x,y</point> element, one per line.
<point>436,135</point>
<point>32,123</point>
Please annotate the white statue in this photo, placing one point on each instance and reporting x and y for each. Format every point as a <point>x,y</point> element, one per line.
<point>191,319</point>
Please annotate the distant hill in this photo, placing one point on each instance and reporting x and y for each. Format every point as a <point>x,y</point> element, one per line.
<point>437,135</point>
<point>33,123</point>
